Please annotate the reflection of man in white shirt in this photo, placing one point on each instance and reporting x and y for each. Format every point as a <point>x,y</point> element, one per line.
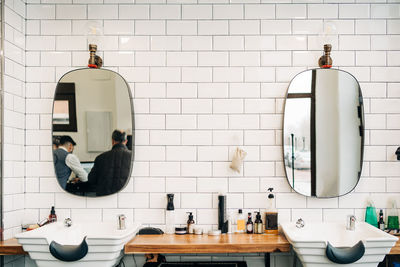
<point>65,162</point>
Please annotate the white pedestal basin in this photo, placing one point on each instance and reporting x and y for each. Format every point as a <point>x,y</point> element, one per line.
<point>310,242</point>
<point>105,242</point>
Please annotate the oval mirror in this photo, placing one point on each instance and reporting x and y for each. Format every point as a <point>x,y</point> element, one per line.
<point>93,132</point>
<point>323,133</point>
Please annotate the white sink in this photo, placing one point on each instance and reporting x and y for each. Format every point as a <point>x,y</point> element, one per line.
<point>310,242</point>
<point>105,243</point>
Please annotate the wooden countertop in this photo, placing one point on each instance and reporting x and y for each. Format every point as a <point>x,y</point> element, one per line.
<point>11,247</point>
<point>396,248</point>
<point>229,243</point>
<point>194,244</point>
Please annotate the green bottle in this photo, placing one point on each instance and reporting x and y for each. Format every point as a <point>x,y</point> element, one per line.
<point>370,215</point>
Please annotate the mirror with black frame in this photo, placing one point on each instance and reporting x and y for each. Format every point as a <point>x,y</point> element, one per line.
<point>93,132</point>
<point>323,133</point>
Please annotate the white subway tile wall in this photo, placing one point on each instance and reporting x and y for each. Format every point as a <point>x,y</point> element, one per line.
<point>206,76</point>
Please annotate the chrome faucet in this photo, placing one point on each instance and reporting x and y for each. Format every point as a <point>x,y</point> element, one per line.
<point>121,222</point>
<point>68,222</point>
<point>351,222</point>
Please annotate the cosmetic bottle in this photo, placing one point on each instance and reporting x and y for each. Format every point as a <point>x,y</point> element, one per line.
<point>190,224</point>
<point>249,224</point>
<point>240,222</point>
<point>170,215</point>
<point>392,217</point>
<point>381,222</point>
<point>271,215</point>
<point>258,224</point>
<point>52,216</point>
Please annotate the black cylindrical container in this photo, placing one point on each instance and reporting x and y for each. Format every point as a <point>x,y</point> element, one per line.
<point>222,214</point>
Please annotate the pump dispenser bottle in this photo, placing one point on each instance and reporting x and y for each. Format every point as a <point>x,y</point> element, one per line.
<point>271,216</point>
<point>52,216</point>
<point>258,224</point>
<point>190,224</point>
<point>170,215</point>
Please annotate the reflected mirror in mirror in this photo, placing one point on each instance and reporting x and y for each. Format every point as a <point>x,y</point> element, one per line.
<point>93,132</point>
<point>323,133</point>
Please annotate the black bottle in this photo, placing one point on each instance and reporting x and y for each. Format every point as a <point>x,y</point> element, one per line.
<point>381,222</point>
<point>249,224</point>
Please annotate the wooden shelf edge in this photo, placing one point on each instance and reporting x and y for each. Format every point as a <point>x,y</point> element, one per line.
<point>11,247</point>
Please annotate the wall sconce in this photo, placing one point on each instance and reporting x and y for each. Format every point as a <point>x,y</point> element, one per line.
<point>325,61</point>
<point>94,31</point>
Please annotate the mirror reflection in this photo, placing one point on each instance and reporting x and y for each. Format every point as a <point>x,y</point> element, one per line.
<point>323,133</point>
<point>93,128</point>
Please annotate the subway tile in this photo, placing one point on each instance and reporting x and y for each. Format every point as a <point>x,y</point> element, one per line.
<point>227,137</point>
<point>393,26</point>
<point>354,42</point>
<point>228,11</point>
<point>291,11</point>
<point>213,90</point>
<point>55,58</point>
<point>196,106</point>
<point>165,106</point>
<point>196,12</point>
<point>146,58</point>
<point>197,74</point>
<point>181,27</point>
<point>370,58</point>
<point>181,90</point>
<point>165,12</point>
<point>212,153</point>
<point>181,153</point>
<point>213,27</point>
<point>165,74</point>
<point>385,42</point>
<point>259,42</point>
<point>217,59</point>
<point>200,137</point>
<point>181,121</point>
<point>259,11</point>
<point>307,26</point>
<point>212,185</point>
<point>259,74</point>
<point>244,27</point>
<point>102,11</point>
<point>148,27</point>
<point>40,12</point>
<point>227,74</point>
<point>165,137</point>
<point>390,11</point>
<point>212,122</point>
<point>322,11</point>
<point>354,11</point>
<point>228,43</point>
<point>184,184</point>
<point>134,12</point>
<point>244,90</point>
<point>165,169</point>
<point>370,26</point>
<point>276,27</point>
<point>291,42</point>
<point>196,169</point>
<point>385,74</point>
<point>71,12</point>
<point>195,43</point>
<point>114,27</point>
<point>181,59</point>
<point>169,43</point>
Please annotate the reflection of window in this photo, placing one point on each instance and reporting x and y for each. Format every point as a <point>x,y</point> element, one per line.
<point>64,108</point>
<point>61,112</point>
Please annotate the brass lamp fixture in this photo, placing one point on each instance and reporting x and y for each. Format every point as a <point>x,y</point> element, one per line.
<point>95,61</point>
<point>325,61</point>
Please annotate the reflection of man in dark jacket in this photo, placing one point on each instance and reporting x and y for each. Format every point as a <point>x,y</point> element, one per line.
<point>111,168</point>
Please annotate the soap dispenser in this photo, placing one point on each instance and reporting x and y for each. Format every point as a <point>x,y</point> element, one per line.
<point>271,216</point>
<point>170,215</point>
<point>190,224</point>
<point>52,216</point>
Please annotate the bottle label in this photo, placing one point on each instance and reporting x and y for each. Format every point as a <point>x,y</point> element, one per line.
<point>240,225</point>
<point>190,229</point>
<point>250,228</point>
